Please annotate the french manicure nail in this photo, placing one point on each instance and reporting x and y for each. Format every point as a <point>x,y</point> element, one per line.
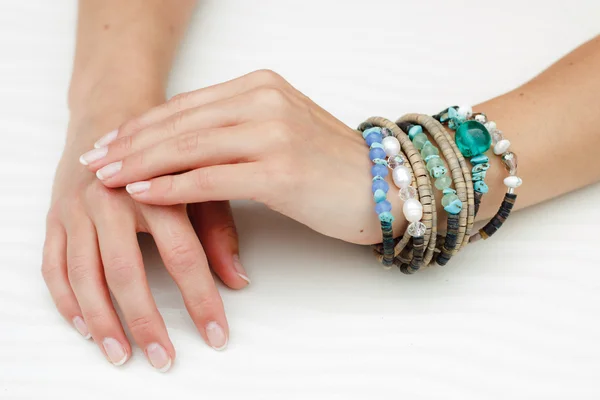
<point>240,268</point>
<point>93,155</point>
<point>109,170</point>
<point>216,336</point>
<point>115,351</point>
<point>107,139</point>
<point>158,357</point>
<point>81,327</point>
<point>137,187</point>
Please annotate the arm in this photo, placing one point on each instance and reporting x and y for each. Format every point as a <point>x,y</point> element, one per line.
<point>280,148</point>
<point>123,57</point>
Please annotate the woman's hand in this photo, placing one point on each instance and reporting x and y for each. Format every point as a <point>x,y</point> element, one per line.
<point>91,250</point>
<point>255,137</point>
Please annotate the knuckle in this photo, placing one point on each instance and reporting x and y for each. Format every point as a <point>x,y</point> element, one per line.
<point>226,228</point>
<point>271,97</point>
<point>79,268</point>
<point>124,144</point>
<point>174,123</point>
<point>121,271</point>
<point>187,144</point>
<point>141,325</point>
<point>179,101</point>
<point>268,77</point>
<point>280,131</point>
<point>51,270</point>
<point>182,259</point>
<point>130,127</point>
<point>204,180</point>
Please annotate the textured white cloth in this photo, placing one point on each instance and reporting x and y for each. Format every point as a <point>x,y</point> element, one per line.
<point>515,317</point>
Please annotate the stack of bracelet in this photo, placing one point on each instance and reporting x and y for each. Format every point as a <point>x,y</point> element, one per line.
<point>474,135</point>
<point>383,139</point>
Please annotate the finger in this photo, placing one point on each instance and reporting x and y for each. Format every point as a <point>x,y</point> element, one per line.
<point>202,97</point>
<point>184,152</point>
<point>220,182</point>
<point>54,270</point>
<point>186,262</point>
<point>214,225</point>
<point>87,280</point>
<point>126,278</point>
<point>261,104</point>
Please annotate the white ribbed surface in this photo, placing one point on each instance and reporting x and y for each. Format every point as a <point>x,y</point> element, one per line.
<point>513,318</point>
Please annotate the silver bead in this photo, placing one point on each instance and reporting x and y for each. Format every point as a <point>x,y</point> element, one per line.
<point>509,159</point>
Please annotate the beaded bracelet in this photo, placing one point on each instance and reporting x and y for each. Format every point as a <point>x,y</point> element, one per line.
<point>474,136</point>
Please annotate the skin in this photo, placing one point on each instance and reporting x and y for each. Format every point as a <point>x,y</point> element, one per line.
<point>256,137</point>
<point>123,57</point>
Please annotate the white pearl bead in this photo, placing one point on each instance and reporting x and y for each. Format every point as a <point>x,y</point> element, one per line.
<point>501,147</point>
<point>491,126</point>
<point>402,176</point>
<point>391,146</point>
<point>465,111</point>
<point>413,210</point>
<point>513,181</point>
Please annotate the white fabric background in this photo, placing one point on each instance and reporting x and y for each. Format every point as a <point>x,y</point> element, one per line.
<point>515,317</point>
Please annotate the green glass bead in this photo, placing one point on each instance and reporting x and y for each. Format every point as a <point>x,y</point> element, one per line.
<point>438,172</point>
<point>472,138</point>
<point>434,162</point>
<point>429,150</point>
<point>430,157</point>
<point>419,140</point>
<point>448,198</point>
<point>480,159</point>
<point>443,182</point>
<point>414,131</point>
<point>449,191</point>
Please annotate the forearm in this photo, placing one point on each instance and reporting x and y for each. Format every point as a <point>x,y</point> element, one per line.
<point>553,123</point>
<point>123,56</point>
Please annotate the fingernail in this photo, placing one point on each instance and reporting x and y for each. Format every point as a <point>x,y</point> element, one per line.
<point>106,139</point>
<point>93,155</point>
<point>109,170</point>
<point>239,268</point>
<point>115,352</point>
<point>158,356</point>
<point>216,336</point>
<point>81,327</point>
<point>137,187</point>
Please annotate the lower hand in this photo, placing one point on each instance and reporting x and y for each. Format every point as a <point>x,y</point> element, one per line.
<point>91,250</point>
<point>255,137</point>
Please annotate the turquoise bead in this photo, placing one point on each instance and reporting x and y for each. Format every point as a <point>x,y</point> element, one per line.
<point>454,208</point>
<point>428,158</point>
<point>438,172</point>
<point>377,145</point>
<point>379,196</point>
<point>366,132</point>
<point>386,217</point>
<point>480,159</point>
<point>380,161</point>
<point>449,191</point>
<point>434,162</point>
<point>478,176</point>
<point>428,150</point>
<point>443,182</point>
<point>480,187</point>
<point>377,178</point>
<point>419,140</point>
<point>472,138</point>
<point>414,131</point>
<point>480,168</point>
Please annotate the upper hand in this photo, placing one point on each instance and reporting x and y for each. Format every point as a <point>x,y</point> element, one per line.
<point>255,137</point>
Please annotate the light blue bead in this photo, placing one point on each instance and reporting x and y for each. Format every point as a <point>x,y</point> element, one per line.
<point>386,217</point>
<point>430,157</point>
<point>478,176</point>
<point>376,153</point>
<point>380,184</point>
<point>379,196</point>
<point>380,161</point>
<point>480,186</point>
<point>436,172</point>
<point>480,168</point>
<point>373,137</point>
<point>414,130</point>
<point>375,129</point>
<point>377,145</point>
<point>379,170</point>
<point>383,206</point>
<point>449,191</point>
<point>454,208</point>
<point>480,159</point>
